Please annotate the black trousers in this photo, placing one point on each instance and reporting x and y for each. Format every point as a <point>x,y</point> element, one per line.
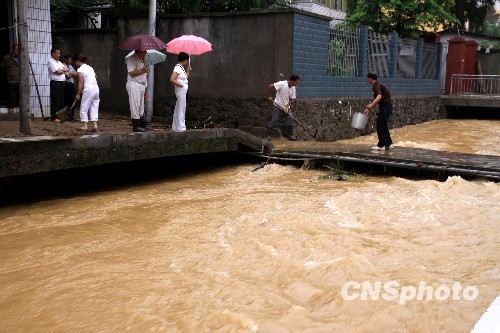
<point>69,93</point>
<point>276,114</point>
<point>384,114</point>
<point>13,95</point>
<point>56,97</point>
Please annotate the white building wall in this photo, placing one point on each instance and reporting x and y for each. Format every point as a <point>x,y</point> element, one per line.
<point>40,43</point>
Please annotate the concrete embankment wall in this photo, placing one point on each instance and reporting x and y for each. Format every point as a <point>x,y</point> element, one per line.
<point>331,118</point>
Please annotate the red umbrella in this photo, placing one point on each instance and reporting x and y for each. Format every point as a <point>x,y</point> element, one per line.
<point>142,43</point>
<point>192,45</point>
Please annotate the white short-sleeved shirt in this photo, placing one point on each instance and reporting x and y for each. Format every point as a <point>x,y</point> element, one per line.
<point>53,66</point>
<point>133,63</point>
<point>182,75</point>
<point>283,93</point>
<point>89,78</point>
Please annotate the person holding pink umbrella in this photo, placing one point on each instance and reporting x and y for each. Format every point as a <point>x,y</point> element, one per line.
<point>179,79</point>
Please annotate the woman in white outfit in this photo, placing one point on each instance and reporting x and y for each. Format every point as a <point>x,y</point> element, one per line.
<point>87,84</point>
<point>179,79</point>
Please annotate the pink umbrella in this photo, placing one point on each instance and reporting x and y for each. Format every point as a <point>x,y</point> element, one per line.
<point>192,45</point>
<point>142,43</point>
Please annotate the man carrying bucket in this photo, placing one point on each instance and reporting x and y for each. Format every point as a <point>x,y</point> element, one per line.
<point>382,97</point>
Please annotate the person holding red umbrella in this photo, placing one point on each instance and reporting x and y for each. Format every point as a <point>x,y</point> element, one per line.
<point>136,87</point>
<point>179,79</point>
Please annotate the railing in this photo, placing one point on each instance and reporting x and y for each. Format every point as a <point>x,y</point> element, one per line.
<point>342,51</point>
<point>475,85</point>
<point>407,58</point>
<point>378,53</point>
<point>429,62</point>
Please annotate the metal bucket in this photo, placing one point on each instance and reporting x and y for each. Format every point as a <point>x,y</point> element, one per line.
<point>359,121</point>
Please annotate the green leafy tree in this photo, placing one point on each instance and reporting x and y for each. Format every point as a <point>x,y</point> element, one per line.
<point>407,18</point>
<point>474,12</point>
<point>67,13</point>
<point>491,29</point>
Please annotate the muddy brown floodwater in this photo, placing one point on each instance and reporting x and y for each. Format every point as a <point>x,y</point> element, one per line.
<point>231,250</point>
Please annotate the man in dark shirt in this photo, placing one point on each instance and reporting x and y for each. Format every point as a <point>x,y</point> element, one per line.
<point>11,64</point>
<point>382,97</point>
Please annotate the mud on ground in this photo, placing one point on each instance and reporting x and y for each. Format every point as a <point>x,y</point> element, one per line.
<point>108,125</point>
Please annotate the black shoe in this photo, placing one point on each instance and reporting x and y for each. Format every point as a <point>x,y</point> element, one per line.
<point>269,133</point>
<point>292,138</point>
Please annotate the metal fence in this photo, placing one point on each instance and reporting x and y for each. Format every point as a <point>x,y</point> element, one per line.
<point>429,61</point>
<point>406,58</point>
<point>342,52</point>
<point>378,54</point>
<point>475,85</point>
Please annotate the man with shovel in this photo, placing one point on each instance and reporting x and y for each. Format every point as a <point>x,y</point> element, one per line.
<point>285,92</point>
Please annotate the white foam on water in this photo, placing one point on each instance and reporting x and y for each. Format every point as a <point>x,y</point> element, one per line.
<point>430,146</point>
<point>490,320</point>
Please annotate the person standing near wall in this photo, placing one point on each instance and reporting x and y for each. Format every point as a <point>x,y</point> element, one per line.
<point>57,72</point>
<point>69,85</point>
<point>383,98</point>
<point>87,85</point>
<point>285,93</point>
<point>179,79</point>
<point>136,87</point>
<point>11,64</point>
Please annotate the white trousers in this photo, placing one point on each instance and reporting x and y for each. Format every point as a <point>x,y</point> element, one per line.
<point>136,93</point>
<point>179,119</point>
<point>89,105</point>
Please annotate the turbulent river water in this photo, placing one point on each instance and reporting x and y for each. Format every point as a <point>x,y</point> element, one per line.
<point>276,250</point>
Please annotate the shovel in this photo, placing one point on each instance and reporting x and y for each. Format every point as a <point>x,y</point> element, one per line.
<point>37,91</point>
<point>65,112</point>
<point>297,121</point>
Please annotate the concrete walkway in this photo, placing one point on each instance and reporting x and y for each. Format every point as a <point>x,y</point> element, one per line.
<point>35,154</point>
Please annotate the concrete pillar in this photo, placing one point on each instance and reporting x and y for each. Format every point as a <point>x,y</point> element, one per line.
<point>362,56</point>
<point>439,62</point>
<point>393,54</point>
<point>419,54</point>
<point>151,77</point>
<point>24,71</point>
